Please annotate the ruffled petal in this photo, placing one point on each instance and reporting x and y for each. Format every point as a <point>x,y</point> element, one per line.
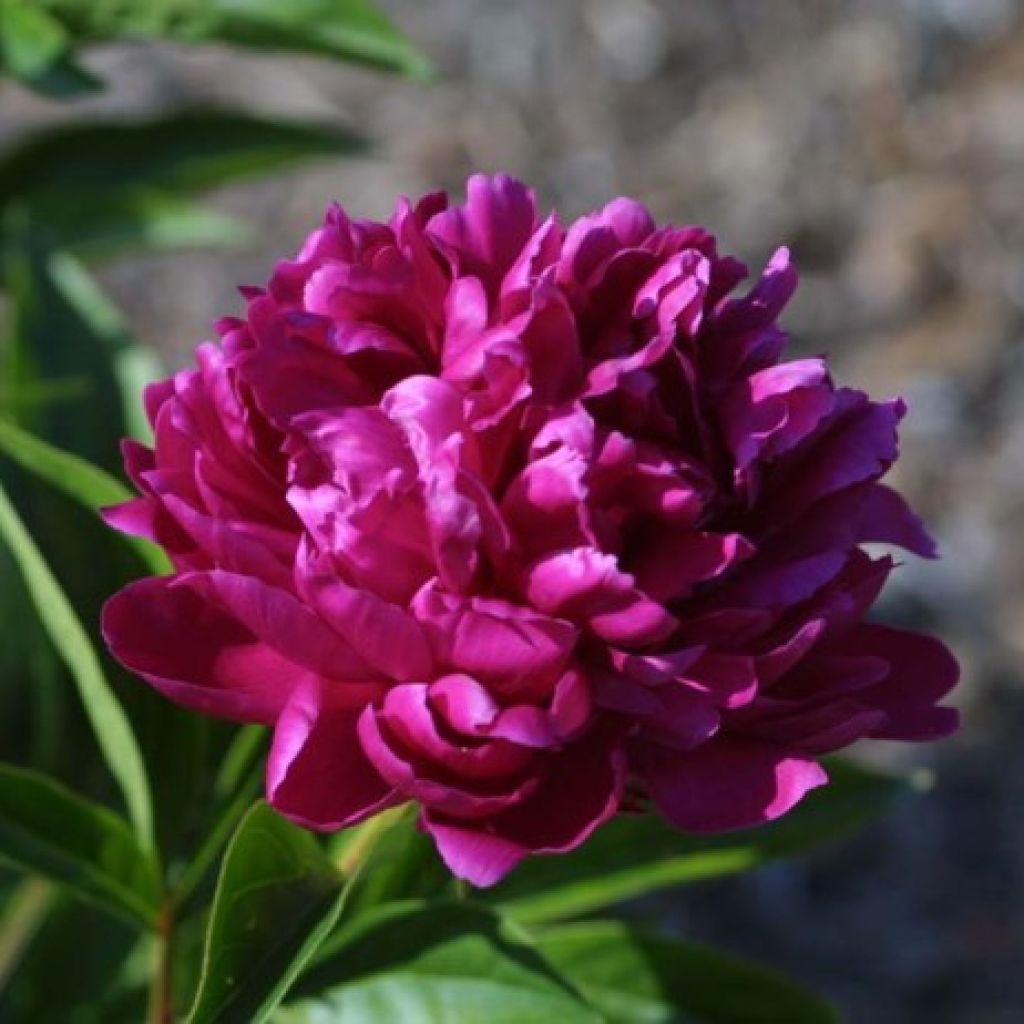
<point>317,773</point>
<point>196,651</point>
<point>581,791</point>
<point>727,783</point>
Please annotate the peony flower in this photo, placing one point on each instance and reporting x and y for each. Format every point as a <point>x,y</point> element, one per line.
<point>509,519</point>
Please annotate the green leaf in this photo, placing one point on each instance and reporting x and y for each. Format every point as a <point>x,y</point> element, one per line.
<point>438,963</point>
<point>185,151</point>
<point>219,832</point>
<point>241,756</point>
<point>74,971</point>
<point>632,856</point>
<point>635,977</point>
<point>131,364</point>
<point>24,912</point>
<point>348,29</point>
<point>90,486</point>
<point>108,720</point>
<point>277,898</point>
<point>47,829</point>
<point>35,49</point>
<point>404,866</point>
<point>102,222</point>
<point>63,327</point>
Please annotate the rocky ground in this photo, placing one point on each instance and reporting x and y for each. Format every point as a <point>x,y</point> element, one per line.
<point>884,141</point>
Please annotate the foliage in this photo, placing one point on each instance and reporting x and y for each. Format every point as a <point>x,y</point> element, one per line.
<point>114,807</point>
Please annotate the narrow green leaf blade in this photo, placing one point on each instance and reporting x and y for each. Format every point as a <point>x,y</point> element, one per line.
<point>277,898</point>
<point>132,364</point>
<point>107,718</point>
<point>90,486</point>
<point>437,963</point>
<point>636,977</point>
<point>182,152</point>
<point>47,829</point>
<point>405,864</point>
<point>101,222</point>
<point>633,856</point>
<point>64,328</point>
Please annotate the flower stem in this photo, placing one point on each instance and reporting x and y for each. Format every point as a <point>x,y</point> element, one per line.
<point>161,1007</point>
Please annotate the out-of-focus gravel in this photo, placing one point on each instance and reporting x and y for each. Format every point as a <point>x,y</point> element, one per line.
<point>884,141</point>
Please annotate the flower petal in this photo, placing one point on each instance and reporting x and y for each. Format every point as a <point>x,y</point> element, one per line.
<point>727,783</point>
<point>581,791</point>
<point>317,773</point>
<point>196,652</point>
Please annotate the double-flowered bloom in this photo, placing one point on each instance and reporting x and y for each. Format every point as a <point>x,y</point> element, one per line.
<point>527,524</point>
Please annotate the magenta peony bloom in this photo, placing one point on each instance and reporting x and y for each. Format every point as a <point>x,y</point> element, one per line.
<point>503,517</point>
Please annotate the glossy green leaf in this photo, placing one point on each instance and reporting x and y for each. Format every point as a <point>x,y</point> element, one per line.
<point>277,898</point>
<point>636,977</point>
<point>635,855</point>
<point>348,29</point>
<point>90,486</point>
<point>183,152</point>
<point>108,720</point>
<point>47,829</point>
<point>438,963</point>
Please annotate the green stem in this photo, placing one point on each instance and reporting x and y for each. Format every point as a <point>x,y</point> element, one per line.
<point>161,1006</point>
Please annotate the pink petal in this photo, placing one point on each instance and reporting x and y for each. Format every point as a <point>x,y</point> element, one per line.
<point>581,791</point>
<point>671,564</point>
<point>886,518</point>
<point>921,672</point>
<point>518,651</point>
<point>196,652</point>
<point>429,413</point>
<point>485,237</point>
<point>281,621</point>
<point>858,445</point>
<point>583,583</point>
<point>418,780</point>
<point>727,783</point>
<point>408,715</point>
<point>317,773</point>
<point>386,636</point>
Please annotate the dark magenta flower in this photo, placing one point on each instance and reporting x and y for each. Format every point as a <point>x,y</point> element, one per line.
<point>499,516</point>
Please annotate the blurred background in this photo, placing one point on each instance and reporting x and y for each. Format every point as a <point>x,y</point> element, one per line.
<point>883,140</point>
